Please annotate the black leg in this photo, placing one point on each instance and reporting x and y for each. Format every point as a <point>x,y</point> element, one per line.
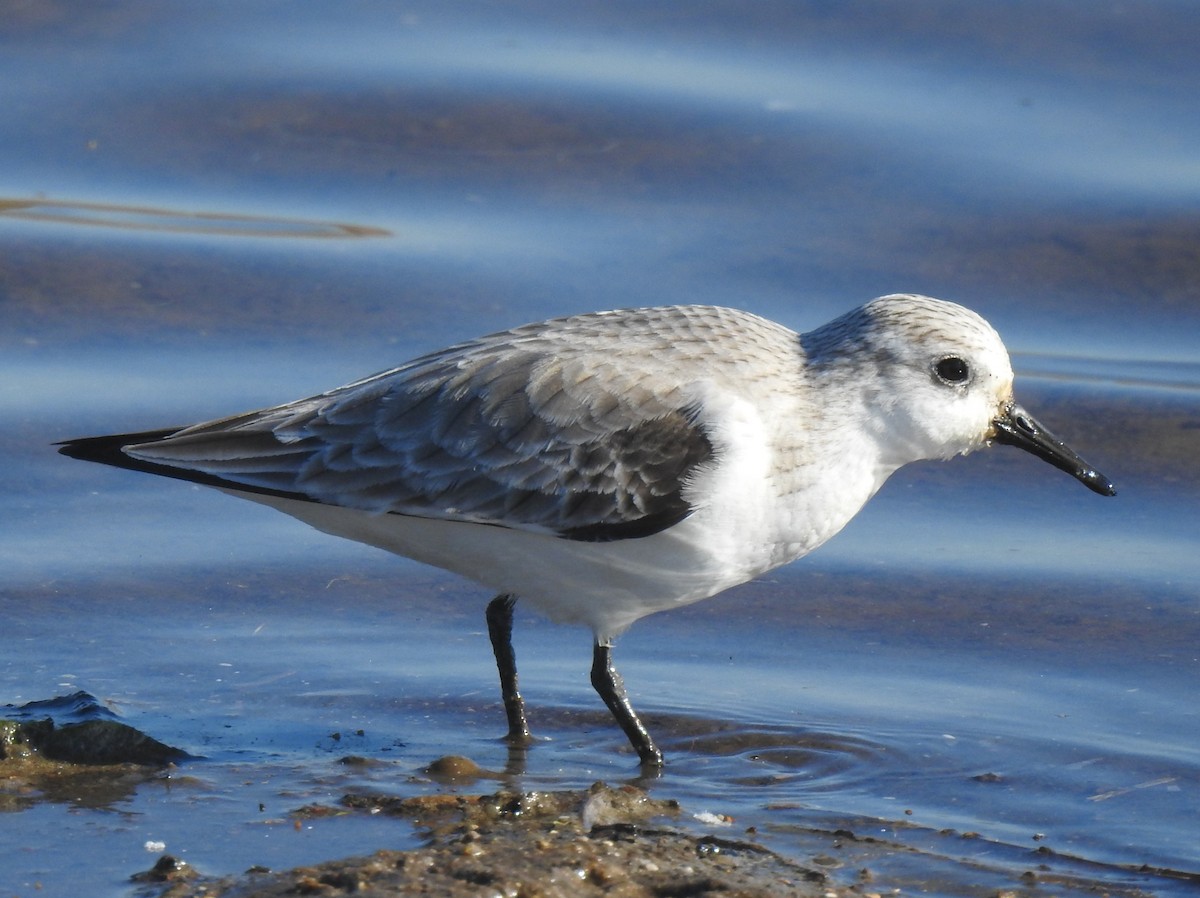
<point>499,620</point>
<point>607,682</point>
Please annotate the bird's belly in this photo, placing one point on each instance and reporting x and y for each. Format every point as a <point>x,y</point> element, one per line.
<point>603,585</point>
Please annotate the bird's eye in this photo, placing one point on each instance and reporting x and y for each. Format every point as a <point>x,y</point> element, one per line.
<point>952,370</point>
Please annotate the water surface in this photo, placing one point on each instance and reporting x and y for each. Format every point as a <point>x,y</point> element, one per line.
<point>204,210</point>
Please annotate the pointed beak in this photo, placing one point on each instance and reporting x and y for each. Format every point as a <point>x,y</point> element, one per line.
<point>1016,427</point>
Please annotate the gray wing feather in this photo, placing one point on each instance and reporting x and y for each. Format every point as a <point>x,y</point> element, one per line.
<point>535,431</point>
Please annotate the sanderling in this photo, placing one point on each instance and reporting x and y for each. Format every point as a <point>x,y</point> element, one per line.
<point>607,466</point>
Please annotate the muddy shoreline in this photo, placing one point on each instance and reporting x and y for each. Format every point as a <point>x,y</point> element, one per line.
<point>560,844</point>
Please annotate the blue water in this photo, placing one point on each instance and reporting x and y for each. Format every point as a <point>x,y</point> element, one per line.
<point>210,208</point>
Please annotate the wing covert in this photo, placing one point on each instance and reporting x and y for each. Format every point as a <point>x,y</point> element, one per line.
<point>538,437</point>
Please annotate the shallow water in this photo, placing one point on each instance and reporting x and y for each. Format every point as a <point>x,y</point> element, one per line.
<point>987,649</point>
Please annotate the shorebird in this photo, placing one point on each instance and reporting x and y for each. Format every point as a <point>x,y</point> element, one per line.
<point>607,466</point>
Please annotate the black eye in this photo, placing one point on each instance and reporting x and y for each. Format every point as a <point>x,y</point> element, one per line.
<point>952,370</point>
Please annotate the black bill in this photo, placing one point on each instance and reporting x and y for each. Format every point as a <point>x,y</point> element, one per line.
<point>1016,427</point>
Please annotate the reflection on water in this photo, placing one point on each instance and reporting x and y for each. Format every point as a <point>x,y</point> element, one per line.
<point>986,650</point>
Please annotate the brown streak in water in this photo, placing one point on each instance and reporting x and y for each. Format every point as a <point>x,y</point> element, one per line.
<point>199,222</point>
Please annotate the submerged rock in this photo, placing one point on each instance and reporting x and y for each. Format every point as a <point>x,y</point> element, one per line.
<point>95,762</point>
<point>88,742</point>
